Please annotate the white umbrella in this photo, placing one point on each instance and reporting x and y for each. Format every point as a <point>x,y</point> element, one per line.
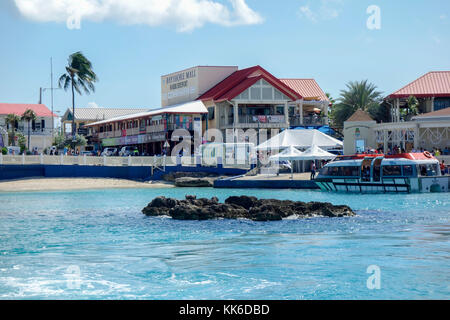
<point>300,139</point>
<point>316,153</point>
<point>288,154</point>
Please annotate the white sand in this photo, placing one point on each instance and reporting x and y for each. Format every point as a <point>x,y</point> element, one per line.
<point>76,184</point>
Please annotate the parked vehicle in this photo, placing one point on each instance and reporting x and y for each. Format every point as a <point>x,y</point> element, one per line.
<point>87,153</point>
<point>129,151</point>
<point>14,150</point>
<point>109,152</point>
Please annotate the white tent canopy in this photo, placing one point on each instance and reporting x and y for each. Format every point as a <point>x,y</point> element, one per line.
<point>316,153</point>
<point>288,154</point>
<point>301,139</point>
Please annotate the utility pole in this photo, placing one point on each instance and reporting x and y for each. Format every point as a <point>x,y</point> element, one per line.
<point>51,81</point>
<point>51,93</point>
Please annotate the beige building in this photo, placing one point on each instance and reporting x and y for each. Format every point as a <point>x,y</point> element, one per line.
<point>358,133</point>
<point>189,84</point>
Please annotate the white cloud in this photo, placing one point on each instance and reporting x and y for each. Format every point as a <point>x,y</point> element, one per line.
<point>307,13</point>
<point>184,15</point>
<point>321,10</point>
<point>436,39</point>
<point>93,105</point>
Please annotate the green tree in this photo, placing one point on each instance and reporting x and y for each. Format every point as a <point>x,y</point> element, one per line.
<point>12,119</point>
<point>358,95</point>
<point>330,98</point>
<point>79,141</point>
<point>60,141</point>
<point>29,116</point>
<point>79,76</point>
<point>21,141</point>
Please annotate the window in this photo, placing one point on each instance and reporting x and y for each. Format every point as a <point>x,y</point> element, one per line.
<point>441,103</point>
<point>278,95</point>
<point>245,95</point>
<point>255,93</point>
<point>408,171</point>
<point>211,113</point>
<point>352,171</point>
<point>392,171</point>
<point>280,110</point>
<point>267,93</point>
<point>335,171</point>
<point>360,146</point>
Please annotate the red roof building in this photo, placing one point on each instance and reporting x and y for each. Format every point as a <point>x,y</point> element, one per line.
<point>41,110</point>
<point>243,79</point>
<point>433,84</point>
<point>307,88</point>
<point>432,91</point>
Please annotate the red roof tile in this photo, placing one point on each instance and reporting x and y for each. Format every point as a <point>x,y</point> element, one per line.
<point>241,80</point>
<point>432,84</point>
<point>440,113</point>
<point>41,110</point>
<point>307,88</point>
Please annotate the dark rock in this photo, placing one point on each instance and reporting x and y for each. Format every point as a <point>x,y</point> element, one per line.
<point>243,201</point>
<point>194,182</point>
<point>241,207</point>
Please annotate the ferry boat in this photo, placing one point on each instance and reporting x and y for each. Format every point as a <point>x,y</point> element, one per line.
<point>378,173</point>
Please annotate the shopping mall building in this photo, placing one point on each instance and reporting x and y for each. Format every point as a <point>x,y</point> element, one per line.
<point>216,97</point>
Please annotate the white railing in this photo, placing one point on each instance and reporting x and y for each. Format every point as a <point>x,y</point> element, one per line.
<point>113,161</point>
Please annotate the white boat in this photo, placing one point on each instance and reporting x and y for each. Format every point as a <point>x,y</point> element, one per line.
<point>377,173</point>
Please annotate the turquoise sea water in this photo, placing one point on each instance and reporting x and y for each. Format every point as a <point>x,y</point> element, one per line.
<point>98,245</point>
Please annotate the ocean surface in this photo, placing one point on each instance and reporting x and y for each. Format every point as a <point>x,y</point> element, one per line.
<point>98,245</point>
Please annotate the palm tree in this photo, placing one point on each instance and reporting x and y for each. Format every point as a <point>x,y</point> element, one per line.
<point>28,116</point>
<point>413,105</point>
<point>358,95</point>
<point>79,76</point>
<point>12,119</point>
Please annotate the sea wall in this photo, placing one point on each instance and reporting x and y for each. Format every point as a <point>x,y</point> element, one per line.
<point>9,172</point>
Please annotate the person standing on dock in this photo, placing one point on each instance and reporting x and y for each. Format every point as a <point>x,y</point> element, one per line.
<point>313,170</point>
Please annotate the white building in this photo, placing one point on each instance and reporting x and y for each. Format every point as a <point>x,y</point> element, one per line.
<point>40,129</point>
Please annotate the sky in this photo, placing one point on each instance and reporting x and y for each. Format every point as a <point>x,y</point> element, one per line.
<point>131,43</point>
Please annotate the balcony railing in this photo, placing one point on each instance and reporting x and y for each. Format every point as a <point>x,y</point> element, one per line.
<point>262,119</point>
<point>307,121</point>
<point>42,132</point>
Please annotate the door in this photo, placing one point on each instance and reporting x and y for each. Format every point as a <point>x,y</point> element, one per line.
<point>376,169</point>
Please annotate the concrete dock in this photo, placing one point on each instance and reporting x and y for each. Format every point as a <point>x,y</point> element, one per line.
<point>281,181</point>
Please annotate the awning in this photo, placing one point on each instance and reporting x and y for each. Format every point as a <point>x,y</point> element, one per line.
<point>193,107</point>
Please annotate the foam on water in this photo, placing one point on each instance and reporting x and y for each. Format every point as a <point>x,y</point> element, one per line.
<point>98,245</point>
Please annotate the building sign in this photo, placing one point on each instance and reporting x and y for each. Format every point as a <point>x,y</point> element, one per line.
<point>179,87</point>
<point>130,140</point>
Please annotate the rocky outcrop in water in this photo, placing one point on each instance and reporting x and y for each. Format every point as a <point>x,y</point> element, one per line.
<point>241,207</point>
<point>195,182</point>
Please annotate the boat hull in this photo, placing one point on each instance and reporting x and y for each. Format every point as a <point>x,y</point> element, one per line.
<point>386,185</point>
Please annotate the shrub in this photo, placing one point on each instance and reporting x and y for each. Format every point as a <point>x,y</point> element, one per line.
<point>4,151</point>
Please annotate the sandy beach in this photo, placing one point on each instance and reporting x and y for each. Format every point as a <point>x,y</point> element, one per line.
<point>61,184</point>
